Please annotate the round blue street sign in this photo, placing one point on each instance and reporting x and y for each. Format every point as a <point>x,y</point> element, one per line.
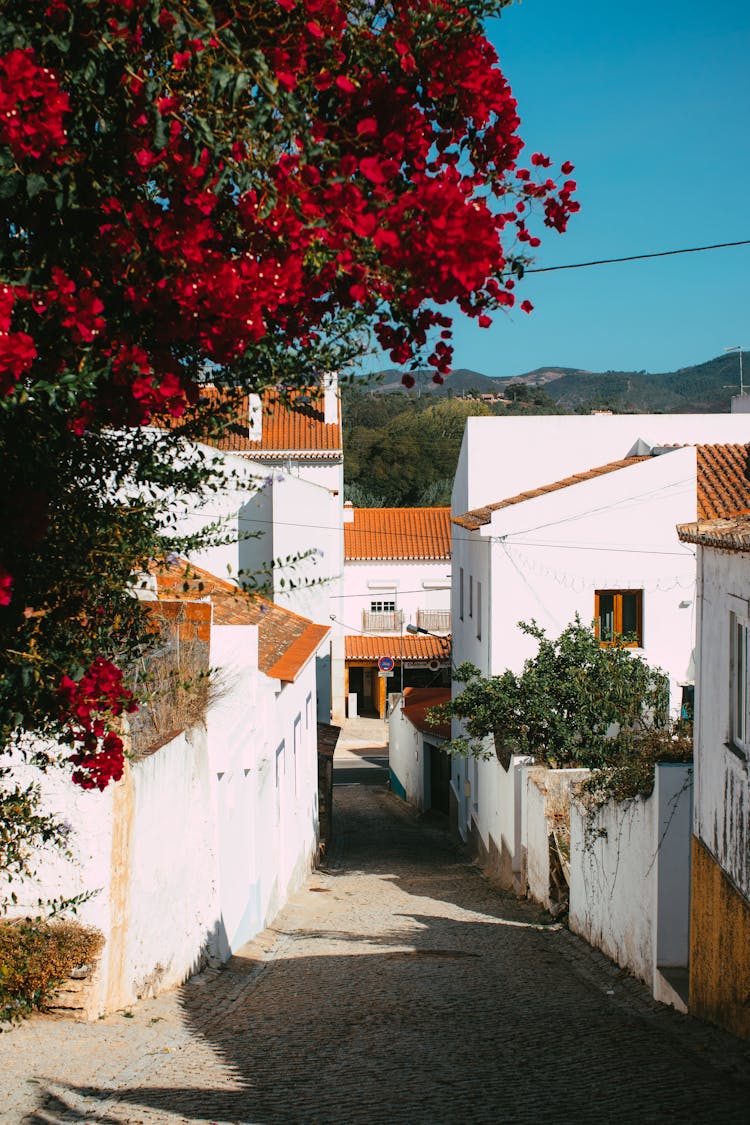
<point>386,663</point>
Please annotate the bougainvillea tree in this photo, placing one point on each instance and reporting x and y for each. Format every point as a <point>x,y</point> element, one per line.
<point>239,187</point>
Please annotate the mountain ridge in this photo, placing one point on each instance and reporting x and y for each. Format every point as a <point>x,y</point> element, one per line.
<point>699,388</point>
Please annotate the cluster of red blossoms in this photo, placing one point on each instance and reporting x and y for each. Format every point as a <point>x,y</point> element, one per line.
<point>238,185</point>
<point>31,108</point>
<point>6,587</point>
<point>388,192</point>
<point>88,707</point>
<point>17,349</point>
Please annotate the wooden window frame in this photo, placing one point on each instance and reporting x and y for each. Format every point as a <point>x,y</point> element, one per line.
<point>617,596</point>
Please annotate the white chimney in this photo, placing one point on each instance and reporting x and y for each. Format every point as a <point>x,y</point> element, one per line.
<point>254,417</point>
<point>331,397</point>
<point>348,512</point>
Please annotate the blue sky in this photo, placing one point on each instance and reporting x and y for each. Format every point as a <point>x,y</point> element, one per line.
<point>651,102</point>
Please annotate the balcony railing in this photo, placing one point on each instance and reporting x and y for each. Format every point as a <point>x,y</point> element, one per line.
<point>390,622</point>
<point>436,620</point>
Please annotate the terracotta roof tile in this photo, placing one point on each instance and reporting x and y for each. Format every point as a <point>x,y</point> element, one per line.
<point>286,641</point>
<point>398,533</point>
<point>723,480</point>
<point>479,516</point>
<point>417,702</point>
<point>408,647</point>
<point>295,424</point>
<point>729,534</point>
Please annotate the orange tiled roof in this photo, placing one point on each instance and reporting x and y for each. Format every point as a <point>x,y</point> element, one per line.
<point>408,647</point>
<point>723,480</point>
<point>479,516</point>
<point>729,534</point>
<point>286,641</point>
<point>398,533</point>
<point>417,702</point>
<point>295,425</point>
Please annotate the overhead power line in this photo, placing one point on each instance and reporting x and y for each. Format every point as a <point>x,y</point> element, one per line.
<point>639,257</point>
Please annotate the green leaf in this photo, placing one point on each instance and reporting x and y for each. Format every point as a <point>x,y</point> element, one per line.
<point>34,184</point>
<point>9,185</point>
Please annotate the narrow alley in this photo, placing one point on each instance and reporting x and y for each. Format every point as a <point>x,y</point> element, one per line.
<point>397,986</point>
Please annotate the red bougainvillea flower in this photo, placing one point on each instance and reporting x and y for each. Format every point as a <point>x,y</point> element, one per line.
<point>31,107</point>
<point>6,586</point>
<point>89,706</point>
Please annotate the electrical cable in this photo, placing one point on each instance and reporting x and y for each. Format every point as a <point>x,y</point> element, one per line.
<point>638,257</point>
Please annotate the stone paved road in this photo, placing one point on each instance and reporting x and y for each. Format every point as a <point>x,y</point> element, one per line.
<point>398,986</point>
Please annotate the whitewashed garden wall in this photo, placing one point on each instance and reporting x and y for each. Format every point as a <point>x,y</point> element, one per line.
<point>145,847</point>
<point>630,881</point>
<point>194,851</point>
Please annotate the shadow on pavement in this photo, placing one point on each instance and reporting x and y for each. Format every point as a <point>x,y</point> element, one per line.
<point>483,1018</point>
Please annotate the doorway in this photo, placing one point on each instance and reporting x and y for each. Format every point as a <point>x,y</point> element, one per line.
<point>364,681</point>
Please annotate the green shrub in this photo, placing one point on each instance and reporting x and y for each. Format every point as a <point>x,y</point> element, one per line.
<point>36,957</point>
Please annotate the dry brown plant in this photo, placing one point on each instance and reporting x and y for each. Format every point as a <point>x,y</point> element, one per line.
<point>37,957</point>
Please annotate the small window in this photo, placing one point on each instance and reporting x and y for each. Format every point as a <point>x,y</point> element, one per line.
<point>618,616</point>
<point>740,636</point>
<point>479,611</point>
<point>461,593</point>
<point>383,607</point>
<point>471,595</point>
<point>687,706</point>
<point>297,752</point>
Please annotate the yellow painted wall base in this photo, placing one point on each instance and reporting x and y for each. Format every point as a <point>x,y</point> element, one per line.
<point>719,946</point>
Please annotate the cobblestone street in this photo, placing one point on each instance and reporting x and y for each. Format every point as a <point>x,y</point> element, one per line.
<point>397,986</point>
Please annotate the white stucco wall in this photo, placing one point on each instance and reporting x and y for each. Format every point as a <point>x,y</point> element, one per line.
<point>236,507</point>
<point>501,457</point>
<point>262,738</point>
<point>406,755</point>
<point>169,922</point>
<point>490,807</point>
<point>613,882</point>
<point>145,846</point>
<point>550,554</point>
<point>199,845</point>
<point>325,473</point>
<point>307,517</point>
<point>722,789</point>
<point>271,515</point>
<point>630,879</point>
<point>414,585</point>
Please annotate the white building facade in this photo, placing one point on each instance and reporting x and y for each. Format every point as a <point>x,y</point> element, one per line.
<point>397,578</point>
<point>720,900</point>
<point>555,517</point>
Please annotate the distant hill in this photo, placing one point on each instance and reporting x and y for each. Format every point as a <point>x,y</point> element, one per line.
<point>462,379</point>
<point>702,388</point>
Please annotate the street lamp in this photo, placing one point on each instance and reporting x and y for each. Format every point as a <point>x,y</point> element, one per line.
<point>418,629</point>
<point>738,348</point>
